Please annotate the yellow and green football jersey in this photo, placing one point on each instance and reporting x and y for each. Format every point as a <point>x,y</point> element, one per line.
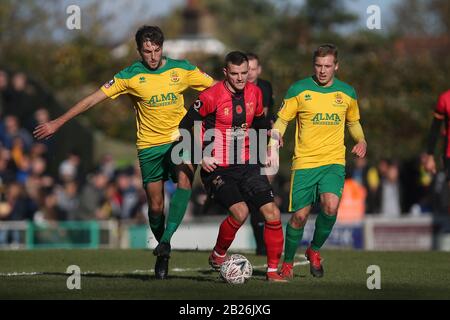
<point>157,97</point>
<point>321,114</point>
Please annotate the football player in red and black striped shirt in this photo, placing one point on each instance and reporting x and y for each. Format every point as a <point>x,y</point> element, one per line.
<point>229,111</point>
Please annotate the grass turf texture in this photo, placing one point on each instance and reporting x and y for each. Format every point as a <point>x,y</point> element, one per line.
<point>128,274</point>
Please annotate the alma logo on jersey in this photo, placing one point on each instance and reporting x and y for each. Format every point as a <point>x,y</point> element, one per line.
<point>308,97</point>
<point>142,80</point>
<point>163,99</point>
<point>326,119</point>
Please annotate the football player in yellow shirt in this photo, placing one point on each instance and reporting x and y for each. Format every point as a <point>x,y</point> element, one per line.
<point>155,85</point>
<point>322,106</point>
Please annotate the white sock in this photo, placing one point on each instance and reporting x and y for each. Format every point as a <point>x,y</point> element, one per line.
<point>218,255</point>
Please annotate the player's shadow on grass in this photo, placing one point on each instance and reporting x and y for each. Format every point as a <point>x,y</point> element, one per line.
<point>209,272</point>
<point>143,277</point>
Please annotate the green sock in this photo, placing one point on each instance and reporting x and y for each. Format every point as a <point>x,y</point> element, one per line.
<point>157,225</point>
<point>324,225</point>
<point>293,237</point>
<point>178,205</point>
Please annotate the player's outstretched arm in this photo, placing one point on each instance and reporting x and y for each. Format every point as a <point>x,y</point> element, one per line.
<point>46,130</point>
<point>356,131</point>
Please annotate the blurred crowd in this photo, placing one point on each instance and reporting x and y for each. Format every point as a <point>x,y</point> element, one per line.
<point>391,188</point>
<point>29,192</point>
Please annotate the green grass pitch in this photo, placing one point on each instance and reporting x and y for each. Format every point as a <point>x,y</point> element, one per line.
<point>128,274</point>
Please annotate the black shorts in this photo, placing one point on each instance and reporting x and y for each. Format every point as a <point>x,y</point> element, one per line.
<point>447,167</point>
<point>231,185</point>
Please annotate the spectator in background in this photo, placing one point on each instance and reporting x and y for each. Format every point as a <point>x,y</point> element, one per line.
<point>368,177</point>
<point>128,194</point>
<point>69,168</point>
<point>21,102</point>
<point>92,195</point>
<point>373,201</point>
<point>48,209</point>
<point>111,204</point>
<point>139,212</point>
<point>15,206</point>
<point>37,180</point>
<point>23,169</point>
<point>7,175</point>
<point>39,150</point>
<point>254,71</point>
<point>108,166</point>
<point>3,91</point>
<point>416,186</point>
<point>68,200</point>
<point>352,207</point>
<point>13,130</point>
<point>390,192</point>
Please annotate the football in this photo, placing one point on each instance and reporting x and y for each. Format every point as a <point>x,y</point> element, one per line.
<point>236,270</point>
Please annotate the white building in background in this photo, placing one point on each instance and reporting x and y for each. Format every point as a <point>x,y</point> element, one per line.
<point>181,47</point>
<point>198,28</point>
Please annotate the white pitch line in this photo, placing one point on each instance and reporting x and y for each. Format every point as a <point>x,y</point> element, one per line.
<point>18,274</point>
<point>21,274</point>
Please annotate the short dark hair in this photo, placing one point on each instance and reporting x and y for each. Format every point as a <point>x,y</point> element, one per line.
<point>149,33</point>
<point>235,57</point>
<point>252,56</point>
<point>325,50</point>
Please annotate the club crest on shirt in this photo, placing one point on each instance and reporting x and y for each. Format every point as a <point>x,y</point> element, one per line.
<point>109,84</point>
<point>338,98</point>
<point>174,77</point>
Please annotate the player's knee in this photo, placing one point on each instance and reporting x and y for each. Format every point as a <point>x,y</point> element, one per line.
<point>240,212</point>
<point>184,181</point>
<point>330,208</point>
<point>156,208</point>
<point>185,177</point>
<point>271,212</point>
<point>298,220</point>
<point>330,204</point>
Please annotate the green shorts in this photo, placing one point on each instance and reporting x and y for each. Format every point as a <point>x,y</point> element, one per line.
<point>308,184</point>
<point>156,164</point>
